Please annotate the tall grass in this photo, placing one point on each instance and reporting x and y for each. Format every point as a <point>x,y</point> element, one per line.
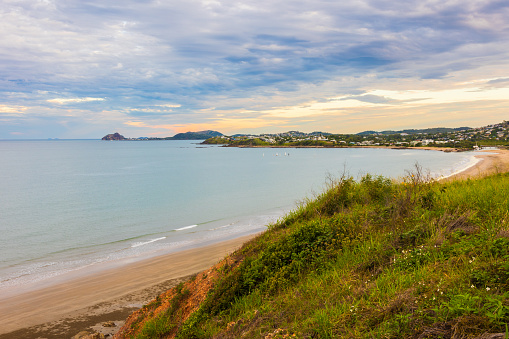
<point>372,258</point>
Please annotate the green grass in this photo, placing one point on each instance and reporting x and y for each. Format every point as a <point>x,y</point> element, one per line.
<point>370,259</point>
<point>167,321</point>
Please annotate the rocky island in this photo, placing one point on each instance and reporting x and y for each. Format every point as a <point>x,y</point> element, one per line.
<point>114,136</point>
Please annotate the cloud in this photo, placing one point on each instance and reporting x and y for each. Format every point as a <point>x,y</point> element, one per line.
<point>66,57</point>
<point>374,99</point>
<point>169,105</point>
<point>64,101</point>
<point>12,109</point>
<point>499,81</point>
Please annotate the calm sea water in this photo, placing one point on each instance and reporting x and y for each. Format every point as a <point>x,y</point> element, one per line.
<point>66,205</point>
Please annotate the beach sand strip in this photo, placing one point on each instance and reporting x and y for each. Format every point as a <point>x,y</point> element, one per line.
<point>64,309</point>
<point>491,162</point>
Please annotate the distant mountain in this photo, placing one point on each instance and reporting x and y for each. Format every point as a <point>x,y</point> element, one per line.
<point>196,135</point>
<point>114,136</point>
<point>243,135</point>
<point>320,133</point>
<point>418,131</point>
<point>289,133</point>
<point>371,132</point>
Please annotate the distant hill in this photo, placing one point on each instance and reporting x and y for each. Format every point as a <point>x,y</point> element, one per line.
<point>114,136</point>
<point>418,131</point>
<point>196,135</point>
<point>201,135</point>
<point>289,133</point>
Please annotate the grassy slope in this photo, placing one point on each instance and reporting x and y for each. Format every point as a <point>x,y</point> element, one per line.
<point>366,259</point>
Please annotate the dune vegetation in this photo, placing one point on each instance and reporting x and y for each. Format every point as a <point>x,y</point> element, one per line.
<point>367,258</point>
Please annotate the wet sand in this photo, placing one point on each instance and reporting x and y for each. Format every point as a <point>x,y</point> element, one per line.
<point>491,162</point>
<point>87,302</point>
<point>83,303</point>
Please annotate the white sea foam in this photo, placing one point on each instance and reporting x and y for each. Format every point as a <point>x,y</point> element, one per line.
<point>185,228</point>
<point>44,271</point>
<point>463,166</point>
<point>146,242</point>
<point>218,228</point>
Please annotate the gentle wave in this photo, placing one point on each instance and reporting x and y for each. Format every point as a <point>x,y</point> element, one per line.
<point>218,228</point>
<point>43,271</point>
<point>185,228</point>
<point>463,167</point>
<point>26,272</point>
<point>146,242</point>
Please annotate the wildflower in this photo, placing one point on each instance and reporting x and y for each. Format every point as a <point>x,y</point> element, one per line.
<point>472,286</point>
<point>487,288</point>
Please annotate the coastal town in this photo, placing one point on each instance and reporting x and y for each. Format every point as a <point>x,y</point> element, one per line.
<point>496,135</point>
<point>461,138</point>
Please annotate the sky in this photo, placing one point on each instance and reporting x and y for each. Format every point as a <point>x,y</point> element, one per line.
<point>85,68</point>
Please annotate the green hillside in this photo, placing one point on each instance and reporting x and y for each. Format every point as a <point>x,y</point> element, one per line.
<point>366,259</point>
<point>436,130</point>
<point>202,135</point>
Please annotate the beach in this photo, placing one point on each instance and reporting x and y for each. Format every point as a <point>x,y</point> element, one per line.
<point>490,162</point>
<point>85,302</point>
<point>64,309</point>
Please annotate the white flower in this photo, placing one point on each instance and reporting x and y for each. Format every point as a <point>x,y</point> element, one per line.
<point>472,286</point>
<point>487,288</point>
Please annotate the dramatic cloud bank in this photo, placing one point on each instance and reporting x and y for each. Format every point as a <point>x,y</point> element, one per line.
<point>82,69</point>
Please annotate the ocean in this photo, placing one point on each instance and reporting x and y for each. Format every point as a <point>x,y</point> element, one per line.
<point>69,205</point>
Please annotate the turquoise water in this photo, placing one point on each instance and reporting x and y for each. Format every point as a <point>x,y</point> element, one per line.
<point>70,204</point>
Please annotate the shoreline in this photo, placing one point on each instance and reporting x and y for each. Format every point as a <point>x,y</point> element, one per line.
<point>425,148</point>
<point>85,302</point>
<point>489,162</point>
<point>64,309</point>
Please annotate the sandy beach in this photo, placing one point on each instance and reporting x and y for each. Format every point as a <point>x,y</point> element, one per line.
<point>87,302</point>
<point>490,162</point>
<point>64,309</point>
